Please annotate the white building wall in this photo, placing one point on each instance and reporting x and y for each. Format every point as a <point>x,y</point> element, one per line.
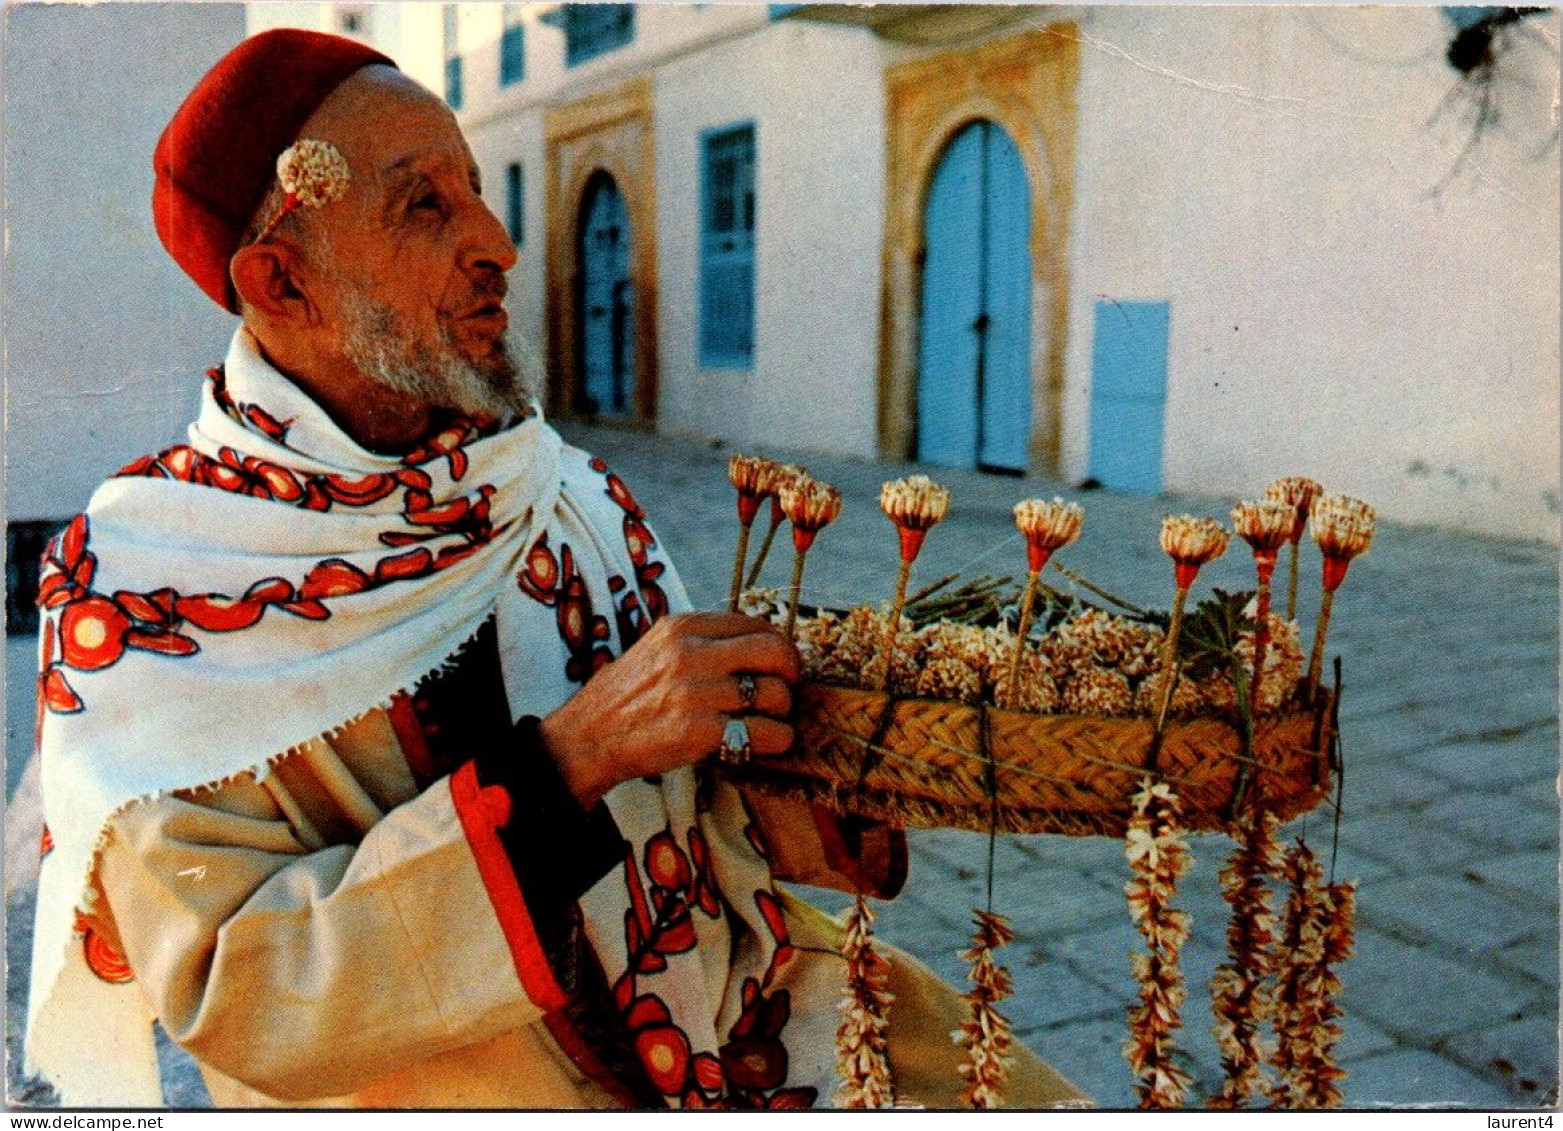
<point>506,124</point>
<point>819,167</point>
<point>1273,174</point>
<point>106,340</point>
<point>820,203</point>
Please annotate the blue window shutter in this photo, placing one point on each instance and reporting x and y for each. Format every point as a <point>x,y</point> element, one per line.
<point>452,58</point>
<point>515,199</point>
<point>727,248</point>
<point>593,29</point>
<point>512,49</point>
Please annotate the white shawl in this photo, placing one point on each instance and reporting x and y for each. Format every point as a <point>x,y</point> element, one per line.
<point>260,586</point>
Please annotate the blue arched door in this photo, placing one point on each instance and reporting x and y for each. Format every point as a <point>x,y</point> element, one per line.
<point>607,302</point>
<point>974,344</point>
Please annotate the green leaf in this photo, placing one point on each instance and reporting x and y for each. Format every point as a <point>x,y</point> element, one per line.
<point>1210,636</point>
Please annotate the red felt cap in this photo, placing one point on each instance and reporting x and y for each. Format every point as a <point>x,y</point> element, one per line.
<point>218,157</point>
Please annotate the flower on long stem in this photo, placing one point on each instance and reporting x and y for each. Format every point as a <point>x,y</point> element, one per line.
<point>1190,543</point>
<point>1298,491</point>
<point>916,505</point>
<point>862,1041</point>
<point>1241,992</point>
<point>1046,527</point>
<point>1343,529</point>
<point>1266,527</point>
<point>1158,856</point>
<point>1318,934</point>
<point>773,478</point>
<point>312,173</point>
<point>810,505</point>
<point>745,472</point>
<point>986,1035</point>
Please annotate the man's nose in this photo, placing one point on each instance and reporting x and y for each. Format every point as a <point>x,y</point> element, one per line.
<point>487,246</point>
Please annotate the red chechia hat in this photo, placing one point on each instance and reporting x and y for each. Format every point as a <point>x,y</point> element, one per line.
<point>218,156</point>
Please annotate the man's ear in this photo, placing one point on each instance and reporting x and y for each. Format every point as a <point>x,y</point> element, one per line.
<point>266,278</point>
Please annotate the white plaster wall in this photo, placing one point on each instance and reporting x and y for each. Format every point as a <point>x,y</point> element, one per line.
<point>1273,174</point>
<point>106,340</point>
<point>815,94</point>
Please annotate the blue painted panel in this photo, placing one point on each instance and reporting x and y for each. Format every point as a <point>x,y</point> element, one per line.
<point>951,302</point>
<point>607,303</point>
<point>1006,376</point>
<point>1129,395</point>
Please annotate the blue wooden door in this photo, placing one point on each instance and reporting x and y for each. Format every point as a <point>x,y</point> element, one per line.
<point>607,303</point>
<point>1129,395</point>
<point>974,344</point>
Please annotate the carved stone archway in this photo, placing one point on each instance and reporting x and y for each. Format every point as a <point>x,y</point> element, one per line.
<point>1026,84</point>
<point>607,133</point>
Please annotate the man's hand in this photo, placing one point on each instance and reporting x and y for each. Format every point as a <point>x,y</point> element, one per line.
<point>664,703</point>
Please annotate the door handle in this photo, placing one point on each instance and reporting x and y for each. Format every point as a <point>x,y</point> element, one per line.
<point>980,323</point>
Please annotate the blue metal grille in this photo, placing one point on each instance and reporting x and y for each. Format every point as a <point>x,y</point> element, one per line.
<point>512,47</point>
<point>727,249</point>
<point>514,201</point>
<point>592,29</point>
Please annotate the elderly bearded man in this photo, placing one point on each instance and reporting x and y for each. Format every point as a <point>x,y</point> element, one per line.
<point>370,719</point>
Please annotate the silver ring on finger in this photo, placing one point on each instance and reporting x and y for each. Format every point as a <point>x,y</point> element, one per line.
<point>735,748</point>
<point>748,690</point>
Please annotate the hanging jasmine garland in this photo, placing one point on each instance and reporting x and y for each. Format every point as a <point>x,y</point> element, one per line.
<point>986,1034</point>
<point>1318,935</point>
<point>1157,856</point>
<point>862,1042</point>
<point>1241,993</point>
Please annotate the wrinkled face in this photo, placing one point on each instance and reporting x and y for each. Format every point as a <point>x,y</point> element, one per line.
<point>409,266</point>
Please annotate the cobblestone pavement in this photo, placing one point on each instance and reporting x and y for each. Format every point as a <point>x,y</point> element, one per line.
<point>1450,814</point>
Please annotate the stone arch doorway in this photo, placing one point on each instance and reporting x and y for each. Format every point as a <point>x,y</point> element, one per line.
<point>600,172</point>
<point>1023,85</point>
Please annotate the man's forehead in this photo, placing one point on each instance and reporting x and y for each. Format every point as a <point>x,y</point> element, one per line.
<point>387,126</point>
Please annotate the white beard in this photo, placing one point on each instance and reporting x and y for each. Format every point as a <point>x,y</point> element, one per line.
<point>384,349</point>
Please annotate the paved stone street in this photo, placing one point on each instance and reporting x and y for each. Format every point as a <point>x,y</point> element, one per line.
<point>1450,808</point>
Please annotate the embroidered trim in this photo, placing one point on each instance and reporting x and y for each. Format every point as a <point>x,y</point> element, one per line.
<point>478,810</point>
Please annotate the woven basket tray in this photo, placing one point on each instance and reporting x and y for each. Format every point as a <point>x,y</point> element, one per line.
<point>925,763</point>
